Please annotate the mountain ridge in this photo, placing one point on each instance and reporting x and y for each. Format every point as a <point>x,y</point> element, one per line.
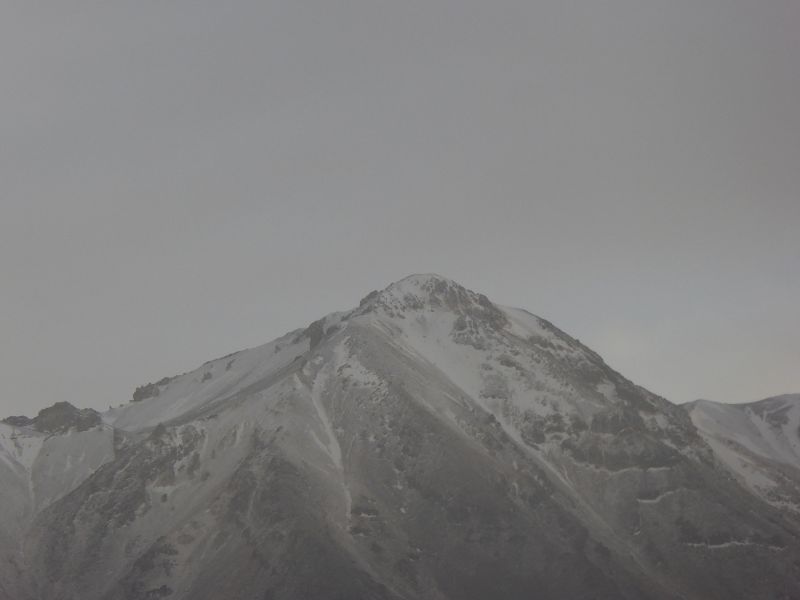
<point>426,444</point>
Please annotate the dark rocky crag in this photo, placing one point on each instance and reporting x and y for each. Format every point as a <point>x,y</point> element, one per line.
<point>58,418</point>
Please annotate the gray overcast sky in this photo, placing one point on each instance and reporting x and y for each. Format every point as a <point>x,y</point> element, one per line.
<point>183,179</point>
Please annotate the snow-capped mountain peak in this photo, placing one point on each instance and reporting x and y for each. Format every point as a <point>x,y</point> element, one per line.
<point>424,445</point>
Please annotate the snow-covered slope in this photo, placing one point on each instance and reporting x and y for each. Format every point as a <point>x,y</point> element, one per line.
<point>427,444</point>
<point>50,456</point>
<point>220,380</point>
<point>759,442</point>
<point>41,461</point>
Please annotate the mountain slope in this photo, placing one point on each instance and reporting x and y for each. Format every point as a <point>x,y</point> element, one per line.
<point>41,460</point>
<point>759,442</point>
<point>425,445</point>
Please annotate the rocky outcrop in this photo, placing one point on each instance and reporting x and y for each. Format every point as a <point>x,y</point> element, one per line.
<point>58,418</point>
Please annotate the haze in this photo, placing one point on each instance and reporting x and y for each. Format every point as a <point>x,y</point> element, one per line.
<point>181,180</point>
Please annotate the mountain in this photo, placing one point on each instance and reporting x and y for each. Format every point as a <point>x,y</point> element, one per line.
<point>426,445</point>
<point>759,443</point>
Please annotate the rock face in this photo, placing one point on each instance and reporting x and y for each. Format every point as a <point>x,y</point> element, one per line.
<point>59,418</point>
<point>427,445</point>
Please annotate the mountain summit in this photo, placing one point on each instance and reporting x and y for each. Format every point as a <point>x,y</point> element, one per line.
<point>425,445</point>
